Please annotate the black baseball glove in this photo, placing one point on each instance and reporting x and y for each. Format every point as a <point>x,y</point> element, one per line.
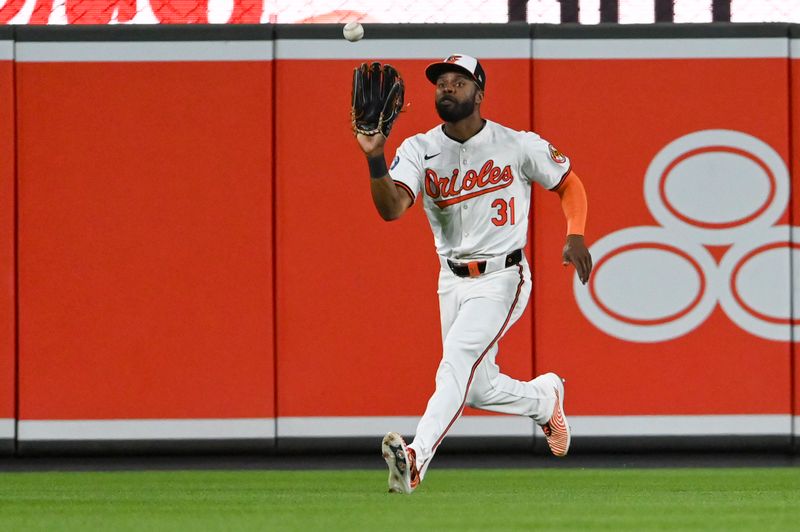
<point>377,98</point>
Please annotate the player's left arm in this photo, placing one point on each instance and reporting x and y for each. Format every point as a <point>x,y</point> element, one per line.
<point>575,206</point>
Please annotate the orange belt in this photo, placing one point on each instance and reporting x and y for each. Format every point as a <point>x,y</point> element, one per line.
<point>477,267</point>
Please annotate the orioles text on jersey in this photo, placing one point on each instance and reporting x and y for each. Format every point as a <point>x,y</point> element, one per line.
<point>446,187</point>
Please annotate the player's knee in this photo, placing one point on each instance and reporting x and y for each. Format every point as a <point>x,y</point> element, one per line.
<point>467,349</point>
<point>473,399</point>
<point>449,376</point>
<point>478,389</point>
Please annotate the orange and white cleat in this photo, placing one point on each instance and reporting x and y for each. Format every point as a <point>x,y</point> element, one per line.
<point>402,462</point>
<point>556,430</point>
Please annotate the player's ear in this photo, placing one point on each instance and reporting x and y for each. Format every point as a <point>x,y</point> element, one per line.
<point>478,96</point>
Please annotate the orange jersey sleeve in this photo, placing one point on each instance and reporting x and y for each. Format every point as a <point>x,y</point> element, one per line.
<point>573,203</point>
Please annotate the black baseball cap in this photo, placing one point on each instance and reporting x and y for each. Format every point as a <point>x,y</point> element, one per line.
<point>462,63</point>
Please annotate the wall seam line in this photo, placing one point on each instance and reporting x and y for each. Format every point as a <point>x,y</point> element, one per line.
<point>15,102</point>
<point>274,229</point>
<point>531,231</point>
<point>792,265</point>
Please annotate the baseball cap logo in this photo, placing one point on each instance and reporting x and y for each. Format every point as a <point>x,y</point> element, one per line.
<point>452,59</point>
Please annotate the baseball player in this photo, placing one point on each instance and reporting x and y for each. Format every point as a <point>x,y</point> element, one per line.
<point>473,178</point>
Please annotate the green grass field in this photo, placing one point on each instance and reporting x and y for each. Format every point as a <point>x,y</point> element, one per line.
<point>480,499</point>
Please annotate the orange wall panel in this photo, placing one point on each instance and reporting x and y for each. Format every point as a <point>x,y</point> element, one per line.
<point>7,281</point>
<point>145,240</point>
<point>358,319</point>
<point>613,117</point>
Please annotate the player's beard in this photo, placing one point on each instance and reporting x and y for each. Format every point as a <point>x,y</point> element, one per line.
<point>456,110</point>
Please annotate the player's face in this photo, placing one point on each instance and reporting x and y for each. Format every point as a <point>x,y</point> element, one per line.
<point>456,96</point>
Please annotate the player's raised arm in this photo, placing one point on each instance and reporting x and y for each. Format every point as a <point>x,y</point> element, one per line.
<point>390,201</point>
<point>575,206</point>
<point>377,101</point>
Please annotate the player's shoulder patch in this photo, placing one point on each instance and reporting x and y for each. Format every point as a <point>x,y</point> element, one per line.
<point>556,155</point>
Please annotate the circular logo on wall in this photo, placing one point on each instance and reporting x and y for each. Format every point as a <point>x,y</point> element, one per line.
<point>648,285</point>
<point>713,187</point>
<point>716,186</point>
<point>755,287</point>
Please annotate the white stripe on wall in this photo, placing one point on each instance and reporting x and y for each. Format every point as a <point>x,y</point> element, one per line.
<point>794,48</point>
<point>314,427</point>
<point>375,426</point>
<point>660,48</point>
<point>6,50</point>
<point>7,429</point>
<point>431,49</point>
<point>380,49</point>
<point>733,425</point>
<point>33,52</point>
<point>147,429</point>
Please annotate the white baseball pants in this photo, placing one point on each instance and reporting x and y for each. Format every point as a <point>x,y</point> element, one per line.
<point>476,312</point>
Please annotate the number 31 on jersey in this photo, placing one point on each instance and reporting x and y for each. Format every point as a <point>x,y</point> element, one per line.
<point>505,212</point>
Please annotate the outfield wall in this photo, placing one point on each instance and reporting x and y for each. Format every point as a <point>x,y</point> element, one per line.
<point>8,331</point>
<point>190,257</point>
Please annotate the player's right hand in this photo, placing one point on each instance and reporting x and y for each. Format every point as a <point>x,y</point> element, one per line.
<point>575,252</point>
<point>371,145</point>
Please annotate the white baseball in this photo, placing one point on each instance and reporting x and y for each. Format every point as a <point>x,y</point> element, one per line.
<point>353,31</point>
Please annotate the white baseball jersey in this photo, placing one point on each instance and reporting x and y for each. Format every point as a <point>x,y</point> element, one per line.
<point>477,193</point>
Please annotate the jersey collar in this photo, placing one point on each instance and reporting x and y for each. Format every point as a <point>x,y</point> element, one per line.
<point>473,139</point>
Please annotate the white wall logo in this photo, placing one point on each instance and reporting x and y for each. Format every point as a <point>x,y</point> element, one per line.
<point>709,188</point>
